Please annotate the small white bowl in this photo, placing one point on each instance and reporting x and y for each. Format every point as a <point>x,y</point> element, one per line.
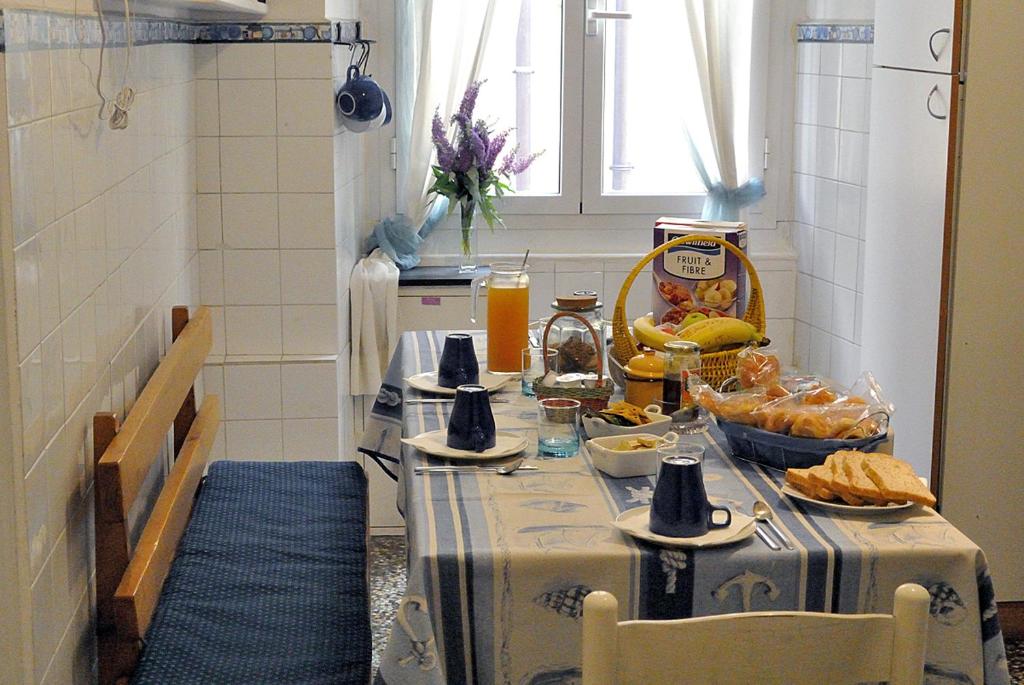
<point>622,464</point>
<point>659,425</point>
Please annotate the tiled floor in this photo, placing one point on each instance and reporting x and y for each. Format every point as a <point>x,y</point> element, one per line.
<point>1015,655</point>
<point>387,583</point>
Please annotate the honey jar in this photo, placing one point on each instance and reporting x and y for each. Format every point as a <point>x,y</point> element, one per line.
<point>644,375</point>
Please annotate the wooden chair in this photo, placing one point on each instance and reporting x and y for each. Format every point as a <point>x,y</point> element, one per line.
<point>759,647</point>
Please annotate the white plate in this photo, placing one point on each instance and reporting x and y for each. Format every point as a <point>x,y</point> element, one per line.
<point>427,382</point>
<point>845,508</point>
<point>435,443</point>
<point>636,523</point>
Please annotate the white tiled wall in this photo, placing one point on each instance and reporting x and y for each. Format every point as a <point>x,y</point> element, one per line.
<point>268,262</point>
<point>830,164</point>
<point>104,243</point>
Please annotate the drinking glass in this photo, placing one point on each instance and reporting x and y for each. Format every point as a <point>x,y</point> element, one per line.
<point>558,427</point>
<point>679,449</point>
<point>533,366</point>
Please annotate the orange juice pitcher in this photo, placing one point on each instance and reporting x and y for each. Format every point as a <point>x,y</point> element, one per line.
<point>508,315</point>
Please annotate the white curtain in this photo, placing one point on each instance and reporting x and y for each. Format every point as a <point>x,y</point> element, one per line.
<point>441,51</point>
<point>721,33</point>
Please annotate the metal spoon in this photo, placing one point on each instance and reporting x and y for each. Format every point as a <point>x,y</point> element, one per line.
<point>503,470</point>
<point>763,513</point>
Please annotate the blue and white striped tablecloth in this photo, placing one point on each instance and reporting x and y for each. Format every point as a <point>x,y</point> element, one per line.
<point>498,566</point>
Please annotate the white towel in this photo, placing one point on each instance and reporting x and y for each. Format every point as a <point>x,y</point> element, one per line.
<point>374,293</point>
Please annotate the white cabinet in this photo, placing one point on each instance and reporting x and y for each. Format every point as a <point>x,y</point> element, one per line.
<point>905,230</point>
<point>916,34</point>
<point>429,308</point>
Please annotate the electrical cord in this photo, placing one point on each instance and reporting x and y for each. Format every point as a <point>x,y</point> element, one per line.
<point>113,111</point>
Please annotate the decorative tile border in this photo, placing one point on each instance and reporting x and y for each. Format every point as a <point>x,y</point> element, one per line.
<point>227,32</point>
<point>835,33</point>
<point>22,30</point>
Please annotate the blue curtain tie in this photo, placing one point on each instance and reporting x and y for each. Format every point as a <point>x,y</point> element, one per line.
<point>724,204</point>
<point>400,240</point>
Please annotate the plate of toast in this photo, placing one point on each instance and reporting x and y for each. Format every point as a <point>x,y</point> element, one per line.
<point>859,482</point>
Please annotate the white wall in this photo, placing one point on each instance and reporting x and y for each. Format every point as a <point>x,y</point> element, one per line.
<point>830,169</point>
<point>102,232</point>
<point>267,243</point>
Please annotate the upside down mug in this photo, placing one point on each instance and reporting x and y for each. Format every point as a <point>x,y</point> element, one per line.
<point>471,426</point>
<point>458,364</point>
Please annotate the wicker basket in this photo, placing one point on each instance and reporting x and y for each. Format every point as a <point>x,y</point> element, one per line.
<point>716,367</point>
<point>591,398</point>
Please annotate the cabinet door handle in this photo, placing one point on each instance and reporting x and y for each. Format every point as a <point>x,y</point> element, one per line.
<point>928,104</point>
<point>931,43</point>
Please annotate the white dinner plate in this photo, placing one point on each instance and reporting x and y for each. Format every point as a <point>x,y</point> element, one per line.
<point>435,444</point>
<point>637,523</point>
<point>427,382</point>
<point>867,509</point>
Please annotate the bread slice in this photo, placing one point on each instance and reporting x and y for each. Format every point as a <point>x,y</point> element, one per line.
<point>857,479</point>
<point>823,478</point>
<point>897,481</point>
<point>840,483</point>
<point>799,478</point>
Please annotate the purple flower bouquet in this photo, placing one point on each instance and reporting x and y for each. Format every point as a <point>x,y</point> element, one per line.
<point>468,171</point>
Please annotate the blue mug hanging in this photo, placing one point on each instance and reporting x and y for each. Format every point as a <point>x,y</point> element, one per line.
<point>360,98</point>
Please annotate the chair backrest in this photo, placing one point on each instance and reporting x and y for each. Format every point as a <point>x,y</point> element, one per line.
<point>128,581</point>
<point>759,647</point>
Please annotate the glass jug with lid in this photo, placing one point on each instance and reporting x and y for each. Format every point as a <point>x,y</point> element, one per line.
<point>576,351</point>
<point>508,314</point>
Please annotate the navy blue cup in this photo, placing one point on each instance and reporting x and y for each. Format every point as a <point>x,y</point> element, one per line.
<point>471,426</point>
<point>680,507</point>
<point>360,98</point>
<point>458,364</point>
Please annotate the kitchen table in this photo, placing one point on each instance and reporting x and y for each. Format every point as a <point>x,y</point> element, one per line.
<point>499,565</point>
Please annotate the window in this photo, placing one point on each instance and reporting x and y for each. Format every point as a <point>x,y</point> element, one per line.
<point>605,104</point>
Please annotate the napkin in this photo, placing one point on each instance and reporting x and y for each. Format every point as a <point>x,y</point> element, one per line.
<point>374,292</point>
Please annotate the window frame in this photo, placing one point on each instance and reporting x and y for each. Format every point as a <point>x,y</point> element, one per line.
<point>578,202</point>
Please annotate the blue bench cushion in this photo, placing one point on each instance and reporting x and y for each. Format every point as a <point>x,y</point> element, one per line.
<point>269,582</point>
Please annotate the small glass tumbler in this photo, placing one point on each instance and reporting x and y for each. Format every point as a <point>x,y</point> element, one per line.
<point>679,449</point>
<point>558,427</point>
<point>533,366</point>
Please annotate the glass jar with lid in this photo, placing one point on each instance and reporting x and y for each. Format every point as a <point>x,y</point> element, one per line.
<point>682,364</point>
<point>577,352</point>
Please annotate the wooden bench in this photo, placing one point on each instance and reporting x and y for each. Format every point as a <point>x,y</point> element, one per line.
<point>255,573</point>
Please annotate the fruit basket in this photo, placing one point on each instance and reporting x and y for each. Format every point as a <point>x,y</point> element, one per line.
<point>782,452</point>
<point>716,367</point>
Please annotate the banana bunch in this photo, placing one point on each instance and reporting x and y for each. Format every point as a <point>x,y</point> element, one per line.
<point>650,335</point>
<point>711,334</point>
<point>714,334</point>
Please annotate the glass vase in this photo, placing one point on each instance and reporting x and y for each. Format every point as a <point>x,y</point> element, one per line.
<point>469,257</point>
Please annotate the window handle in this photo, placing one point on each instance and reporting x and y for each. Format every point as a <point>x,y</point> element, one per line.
<point>596,15</point>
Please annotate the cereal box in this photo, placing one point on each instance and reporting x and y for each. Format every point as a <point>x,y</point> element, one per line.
<point>699,277</point>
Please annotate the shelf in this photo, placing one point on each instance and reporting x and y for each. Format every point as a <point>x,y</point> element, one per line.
<point>233,8</point>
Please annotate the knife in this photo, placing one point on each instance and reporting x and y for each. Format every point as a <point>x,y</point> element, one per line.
<point>447,400</point>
